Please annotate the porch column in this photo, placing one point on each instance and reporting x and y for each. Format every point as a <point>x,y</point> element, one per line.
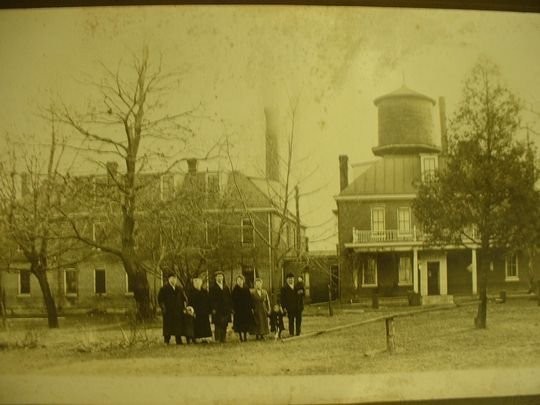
<point>415,269</point>
<point>473,271</point>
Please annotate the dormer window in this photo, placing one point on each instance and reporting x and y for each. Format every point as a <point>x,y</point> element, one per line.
<point>429,166</point>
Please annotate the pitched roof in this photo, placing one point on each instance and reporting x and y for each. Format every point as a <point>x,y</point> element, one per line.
<point>391,175</point>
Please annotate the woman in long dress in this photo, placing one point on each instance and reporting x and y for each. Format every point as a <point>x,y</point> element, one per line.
<point>199,300</point>
<point>261,309</point>
<point>243,308</point>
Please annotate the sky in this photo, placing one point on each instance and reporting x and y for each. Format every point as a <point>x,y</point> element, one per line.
<point>330,63</point>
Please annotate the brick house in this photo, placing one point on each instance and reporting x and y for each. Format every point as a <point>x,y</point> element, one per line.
<point>381,246</point>
<point>233,227</point>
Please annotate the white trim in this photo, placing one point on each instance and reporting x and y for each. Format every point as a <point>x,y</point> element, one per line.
<point>506,276</point>
<point>410,232</point>
<point>73,269</point>
<point>474,272</point>
<point>19,293</point>
<point>105,271</point>
<point>423,157</point>
<point>379,208</point>
<point>411,282</point>
<point>375,197</point>
<point>128,293</point>
<point>364,268</point>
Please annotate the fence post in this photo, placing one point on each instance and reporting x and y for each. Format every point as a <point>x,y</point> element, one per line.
<point>390,343</point>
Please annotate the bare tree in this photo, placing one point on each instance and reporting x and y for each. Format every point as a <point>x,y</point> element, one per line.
<point>126,126</point>
<point>282,194</point>
<point>29,199</point>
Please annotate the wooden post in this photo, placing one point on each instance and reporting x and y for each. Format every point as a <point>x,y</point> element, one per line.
<point>538,292</point>
<point>330,309</point>
<point>390,343</point>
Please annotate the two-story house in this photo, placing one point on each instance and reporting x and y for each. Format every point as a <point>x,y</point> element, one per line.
<point>199,220</point>
<point>381,245</point>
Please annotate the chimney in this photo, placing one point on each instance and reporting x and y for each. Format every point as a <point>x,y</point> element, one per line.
<point>192,165</point>
<point>112,170</point>
<point>442,117</point>
<point>343,172</point>
<point>272,147</point>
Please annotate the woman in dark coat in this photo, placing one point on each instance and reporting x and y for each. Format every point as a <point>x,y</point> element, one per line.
<point>199,300</point>
<point>172,303</point>
<point>243,309</point>
<point>221,306</point>
<point>261,309</point>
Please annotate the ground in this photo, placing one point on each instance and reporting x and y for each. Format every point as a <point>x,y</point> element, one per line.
<point>435,341</point>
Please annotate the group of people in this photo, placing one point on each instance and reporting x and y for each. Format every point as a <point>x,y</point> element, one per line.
<point>189,314</point>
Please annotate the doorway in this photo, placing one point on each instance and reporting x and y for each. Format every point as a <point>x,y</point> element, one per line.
<point>433,278</point>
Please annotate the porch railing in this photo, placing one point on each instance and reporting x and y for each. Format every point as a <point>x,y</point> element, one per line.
<point>387,235</point>
<point>395,235</point>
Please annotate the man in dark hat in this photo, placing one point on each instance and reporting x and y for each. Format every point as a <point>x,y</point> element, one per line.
<point>172,303</point>
<point>292,304</point>
<point>221,305</point>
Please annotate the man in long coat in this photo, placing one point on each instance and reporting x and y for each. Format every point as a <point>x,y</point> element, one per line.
<point>172,303</point>
<point>292,302</point>
<point>221,305</point>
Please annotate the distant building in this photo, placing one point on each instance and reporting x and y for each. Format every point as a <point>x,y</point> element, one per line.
<point>231,221</point>
<point>381,245</point>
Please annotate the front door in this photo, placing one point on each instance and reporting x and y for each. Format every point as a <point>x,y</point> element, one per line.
<point>433,278</point>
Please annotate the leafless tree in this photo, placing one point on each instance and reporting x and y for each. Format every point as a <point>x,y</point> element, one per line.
<point>132,117</point>
<point>285,239</point>
<point>29,198</point>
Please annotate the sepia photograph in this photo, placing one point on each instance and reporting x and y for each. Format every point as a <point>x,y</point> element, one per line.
<point>269,204</point>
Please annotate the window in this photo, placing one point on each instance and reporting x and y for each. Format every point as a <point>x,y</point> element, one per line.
<point>212,233</point>
<point>247,231</point>
<point>404,220</point>
<point>369,273</point>
<point>405,271</point>
<point>377,220</point>
<point>511,268</point>
<point>428,167</point>
<point>166,187</point>
<point>129,284</point>
<point>100,286</point>
<point>71,282</point>
<point>24,282</point>
<point>212,180</point>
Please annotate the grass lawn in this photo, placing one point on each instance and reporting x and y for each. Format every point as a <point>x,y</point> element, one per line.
<point>436,340</point>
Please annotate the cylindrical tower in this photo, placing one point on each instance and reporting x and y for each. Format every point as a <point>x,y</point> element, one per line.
<point>405,123</point>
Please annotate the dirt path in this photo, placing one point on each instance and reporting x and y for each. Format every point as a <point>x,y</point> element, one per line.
<point>271,390</point>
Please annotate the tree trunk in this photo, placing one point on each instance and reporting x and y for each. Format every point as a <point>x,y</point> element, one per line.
<point>50,305</point>
<point>481,317</point>
<point>141,290</point>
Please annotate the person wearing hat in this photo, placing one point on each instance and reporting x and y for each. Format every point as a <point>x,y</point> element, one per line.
<point>292,305</point>
<point>243,308</point>
<point>172,304</point>
<point>261,309</point>
<point>221,306</point>
<point>199,300</point>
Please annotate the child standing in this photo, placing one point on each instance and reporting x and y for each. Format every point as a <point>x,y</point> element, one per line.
<point>276,321</point>
<point>189,325</point>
